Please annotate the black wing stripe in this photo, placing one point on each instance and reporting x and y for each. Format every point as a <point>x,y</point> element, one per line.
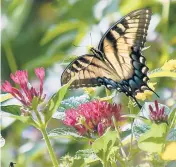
<point>112,40</point>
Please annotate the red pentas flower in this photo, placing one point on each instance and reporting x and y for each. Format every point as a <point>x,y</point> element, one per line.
<point>157,114</point>
<point>92,117</point>
<point>26,93</point>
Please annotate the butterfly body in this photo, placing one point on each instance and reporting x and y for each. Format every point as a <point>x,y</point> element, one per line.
<point>118,62</point>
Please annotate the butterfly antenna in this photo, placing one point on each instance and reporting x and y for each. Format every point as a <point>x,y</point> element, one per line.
<point>78,45</point>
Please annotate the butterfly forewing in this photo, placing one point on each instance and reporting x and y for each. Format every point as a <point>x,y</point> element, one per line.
<point>116,44</point>
<point>87,69</point>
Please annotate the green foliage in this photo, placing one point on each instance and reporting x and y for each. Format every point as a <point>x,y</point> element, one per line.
<point>15,112</point>
<point>55,101</point>
<point>12,109</point>
<point>172,135</point>
<point>73,102</point>
<point>162,73</point>
<point>66,132</point>
<point>154,139</point>
<point>103,146</point>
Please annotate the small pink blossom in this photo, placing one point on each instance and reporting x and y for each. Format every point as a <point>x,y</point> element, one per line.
<point>7,87</point>
<point>92,117</point>
<point>157,114</point>
<point>26,93</point>
<point>40,73</point>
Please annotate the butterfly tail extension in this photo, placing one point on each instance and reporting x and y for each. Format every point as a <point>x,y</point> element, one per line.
<point>152,91</point>
<point>137,102</point>
<point>129,93</point>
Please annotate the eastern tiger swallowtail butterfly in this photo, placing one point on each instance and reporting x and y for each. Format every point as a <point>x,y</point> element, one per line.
<point>118,62</point>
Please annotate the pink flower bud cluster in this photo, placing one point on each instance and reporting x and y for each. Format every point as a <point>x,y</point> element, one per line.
<point>157,114</point>
<point>26,93</point>
<point>92,117</point>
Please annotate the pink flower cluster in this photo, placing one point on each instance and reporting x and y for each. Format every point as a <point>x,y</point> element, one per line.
<point>92,117</point>
<point>157,115</point>
<point>26,92</point>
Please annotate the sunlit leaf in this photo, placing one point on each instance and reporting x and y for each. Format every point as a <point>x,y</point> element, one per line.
<point>59,115</point>
<point>153,139</point>
<point>2,141</point>
<point>172,135</point>
<point>162,73</point>
<point>103,145</point>
<point>66,132</point>
<point>172,116</point>
<point>77,161</point>
<point>86,153</point>
<point>5,97</point>
<point>169,152</point>
<point>55,101</point>
<point>89,156</point>
<point>147,94</point>
<point>169,65</point>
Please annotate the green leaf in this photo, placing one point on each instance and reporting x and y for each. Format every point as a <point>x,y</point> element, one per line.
<point>172,117</point>
<point>66,132</point>
<point>172,135</point>
<point>77,161</point>
<point>55,101</point>
<point>60,29</point>
<point>89,156</point>
<point>73,102</point>
<point>4,97</point>
<point>162,73</point>
<point>2,141</point>
<point>86,153</point>
<point>125,133</point>
<point>103,145</point>
<point>153,139</point>
<point>26,120</point>
<point>59,115</point>
<point>12,109</point>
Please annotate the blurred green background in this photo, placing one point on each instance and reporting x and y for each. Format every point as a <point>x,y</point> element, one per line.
<point>43,33</point>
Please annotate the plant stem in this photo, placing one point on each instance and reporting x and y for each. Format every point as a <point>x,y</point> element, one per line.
<point>132,120</point>
<point>10,57</point>
<point>50,149</point>
<point>42,128</point>
<point>119,138</point>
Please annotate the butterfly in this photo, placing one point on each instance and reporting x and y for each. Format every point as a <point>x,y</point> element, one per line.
<point>118,62</point>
